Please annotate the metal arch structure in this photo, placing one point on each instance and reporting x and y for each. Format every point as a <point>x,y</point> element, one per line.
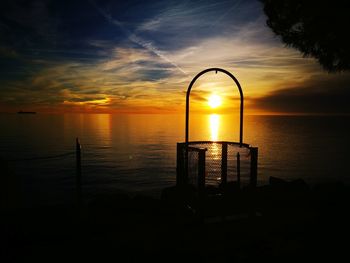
<point>188,102</point>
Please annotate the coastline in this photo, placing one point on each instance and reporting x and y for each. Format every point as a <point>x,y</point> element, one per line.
<point>282,221</point>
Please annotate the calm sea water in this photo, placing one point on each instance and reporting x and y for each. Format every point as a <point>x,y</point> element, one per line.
<point>137,153</point>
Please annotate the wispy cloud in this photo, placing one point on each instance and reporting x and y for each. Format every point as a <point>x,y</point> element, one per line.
<point>148,45</point>
<point>130,78</point>
<point>147,64</point>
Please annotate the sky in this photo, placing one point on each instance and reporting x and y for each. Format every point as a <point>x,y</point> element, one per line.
<point>140,56</point>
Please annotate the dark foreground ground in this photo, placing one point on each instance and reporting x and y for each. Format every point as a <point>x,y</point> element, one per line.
<point>281,222</point>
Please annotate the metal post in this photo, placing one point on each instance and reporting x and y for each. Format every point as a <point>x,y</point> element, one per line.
<point>201,169</point>
<point>224,163</point>
<point>180,175</point>
<point>238,170</point>
<point>78,171</point>
<point>253,166</point>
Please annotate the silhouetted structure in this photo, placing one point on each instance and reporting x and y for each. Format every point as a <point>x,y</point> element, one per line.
<point>200,163</point>
<point>317,29</point>
<point>26,112</point>
<point>78,171</point>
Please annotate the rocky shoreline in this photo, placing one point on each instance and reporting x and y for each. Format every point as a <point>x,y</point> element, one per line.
<point>282,221</point>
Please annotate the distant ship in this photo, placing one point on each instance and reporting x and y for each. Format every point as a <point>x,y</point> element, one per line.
<point>26,112</point>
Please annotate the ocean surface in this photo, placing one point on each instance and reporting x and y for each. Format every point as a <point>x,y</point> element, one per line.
<point>136,154</point>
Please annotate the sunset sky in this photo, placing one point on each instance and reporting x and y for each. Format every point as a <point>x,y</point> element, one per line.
<point>140,56</point>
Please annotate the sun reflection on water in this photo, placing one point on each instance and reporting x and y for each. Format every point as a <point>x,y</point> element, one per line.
<point>214,121</point>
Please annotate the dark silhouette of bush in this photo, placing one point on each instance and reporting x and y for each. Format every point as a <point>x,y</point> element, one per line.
<point>318,29</point>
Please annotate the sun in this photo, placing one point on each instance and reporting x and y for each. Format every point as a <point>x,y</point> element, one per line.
<point>214,101</point>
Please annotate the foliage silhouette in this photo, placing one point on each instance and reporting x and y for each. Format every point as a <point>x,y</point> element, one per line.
<point>317,29</point>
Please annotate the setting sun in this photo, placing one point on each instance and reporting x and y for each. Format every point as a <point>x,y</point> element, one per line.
<point>214,101</point>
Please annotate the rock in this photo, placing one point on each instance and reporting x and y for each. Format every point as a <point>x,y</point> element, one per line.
<point>179,193</point>
<point>277,182</point>
<point>294,185</point>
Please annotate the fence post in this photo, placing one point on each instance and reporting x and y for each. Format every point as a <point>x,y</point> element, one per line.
<point>78,171</point>
<point>180,180</point>
<point>201,169</point>
<point>238,170</point>
<point>253,166</point>
<point>224,163</point>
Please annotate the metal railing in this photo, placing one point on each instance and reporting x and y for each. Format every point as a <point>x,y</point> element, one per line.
<point>78,171</point>
<point>214,160</point>
<point>188,93</point>
<point>216,163</point>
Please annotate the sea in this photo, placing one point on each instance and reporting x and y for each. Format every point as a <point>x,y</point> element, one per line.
<point>135,154</point>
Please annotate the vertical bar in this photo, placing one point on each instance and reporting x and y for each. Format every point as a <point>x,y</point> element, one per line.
<point>78,171</point>
<point>180,175</point>
<point>224,163</point>
<point>240,117</point>
<point>238,170</point>
<point>201,169</point>
<point>187,127</point>
<point>185,165</point>
<point>253,166</point>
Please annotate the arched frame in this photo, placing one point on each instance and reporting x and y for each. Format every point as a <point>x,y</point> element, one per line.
<point>188,101</point>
